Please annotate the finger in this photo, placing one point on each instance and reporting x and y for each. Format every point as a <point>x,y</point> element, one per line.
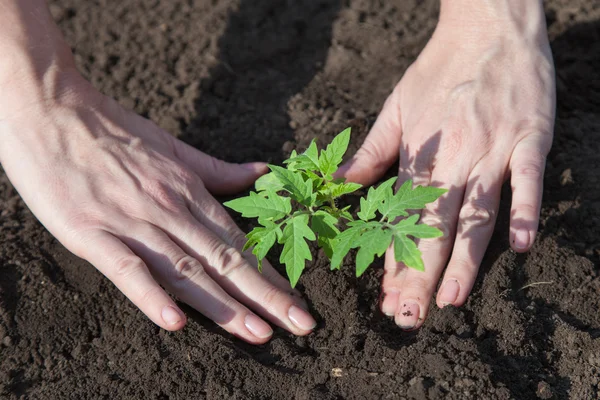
<point>227,266</point>
<point>393,278</point>
<point>130,274</point>
<point>395,272</point>
<point>527,166</point>
<point>380,149</point>
<point>476,222</point>
<point>219,177</point>
<point>418,286</point>
<point>210,213</point>
<point>186,277</point>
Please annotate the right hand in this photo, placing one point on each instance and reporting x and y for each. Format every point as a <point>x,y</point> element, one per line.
<point>121,193</point>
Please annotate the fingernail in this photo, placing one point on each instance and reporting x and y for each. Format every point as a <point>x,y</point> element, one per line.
<point>255,166</point>
<point>449,292</point>
<point>301,318</point>
<point>408,316</point>
<point>521,239</point>
<point>171,316</point>
<point>390,302</point>
<point>257,326</point>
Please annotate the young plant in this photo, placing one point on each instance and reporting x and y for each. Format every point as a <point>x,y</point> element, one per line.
<point>299,203</point>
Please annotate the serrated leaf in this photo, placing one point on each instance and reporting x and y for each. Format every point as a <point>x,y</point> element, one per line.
<point>372,242</point>
<point>268,182</point>
<point>343,243</point>
<point>339,189</point>
<point>317,181</point>
<point>299,189</point>
<point>407,198</point>
<point>374,199</point>
<point>307,161</point>
<point>408,226</point>
<point>406,251</point>
<point>323,224</point>
<point>255,206</point>
<point>262,238</point>
<point>332,156</point>
<point>295,250</point>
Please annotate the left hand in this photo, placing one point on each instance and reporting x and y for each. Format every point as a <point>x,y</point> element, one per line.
<point>476,107</point>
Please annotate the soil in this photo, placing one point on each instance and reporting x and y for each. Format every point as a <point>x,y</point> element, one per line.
<point>247,80</point>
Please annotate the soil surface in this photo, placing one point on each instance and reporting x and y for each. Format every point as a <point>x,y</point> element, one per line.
<point>247,80</point>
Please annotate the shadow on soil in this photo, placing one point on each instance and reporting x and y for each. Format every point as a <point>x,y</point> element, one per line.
<point>269,52</point>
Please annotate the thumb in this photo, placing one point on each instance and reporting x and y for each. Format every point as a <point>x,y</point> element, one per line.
<point>219,177</point>
<point>379,150</point>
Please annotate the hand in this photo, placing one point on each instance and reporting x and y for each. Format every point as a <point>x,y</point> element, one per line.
<point>476,107</point>
<point>121,193</point>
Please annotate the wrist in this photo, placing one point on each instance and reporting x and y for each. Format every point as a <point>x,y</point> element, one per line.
<point>482,20</point>
<point>39,64</point>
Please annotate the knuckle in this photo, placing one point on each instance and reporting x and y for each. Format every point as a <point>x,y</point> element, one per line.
<point>148,295</point>
<point>163,195</point>
<point>526,209</point>
<point>452,143</point>
<point>225,258</point>
<point>417,285</point>
<point>530,170</point>
<point>444,224</point>
<point>188,268</point>
<point>128,266</point>
<point>477,212</point>
<point>459,263</point>
<point>238,239</point>
<point>371,152</point>
<point>271,297</point>
<point>232,261</point>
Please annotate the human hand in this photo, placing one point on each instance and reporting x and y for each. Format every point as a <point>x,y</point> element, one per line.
<point>476,107</point>
<point>121,193</point>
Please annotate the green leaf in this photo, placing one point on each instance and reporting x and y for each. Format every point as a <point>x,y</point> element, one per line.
<point>317,181</point>
<point>271,207</point>
<point>332,156</point>
<point>372,242</point>
<point>299,189</point>
<point>406,251</point>
<point>408,226</point>
<point>407,198</point>
<point>374,199</point>
<point>339,189</point>
<point>295,250</point>
<point>262,238</point>
<point>343,243</point>
<point>323,224</point>
<point>268,182</point>
<point>307,161</point>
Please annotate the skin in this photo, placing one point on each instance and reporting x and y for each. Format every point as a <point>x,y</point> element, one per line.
<point>475,109</point>
<point>119,192</point>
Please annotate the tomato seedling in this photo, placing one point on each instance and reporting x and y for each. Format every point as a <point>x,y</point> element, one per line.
<point>307,182</point>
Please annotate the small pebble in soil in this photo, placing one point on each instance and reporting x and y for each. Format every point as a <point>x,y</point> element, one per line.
<point>7,341</point>
<point>544,391</point>
<point>566,178</point>
<point>337,372</point>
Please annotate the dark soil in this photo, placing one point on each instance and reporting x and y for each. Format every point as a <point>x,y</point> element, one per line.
<point>247,80</point>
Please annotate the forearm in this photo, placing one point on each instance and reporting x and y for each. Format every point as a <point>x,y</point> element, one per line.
<point>34,56</point>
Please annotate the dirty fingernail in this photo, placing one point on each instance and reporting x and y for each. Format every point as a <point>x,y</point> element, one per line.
<point>408,315</point>
<point>390,302</point>
<point>521,239</point>
<point>301,318</point>
<point>257,326</point>
<point>449,292</point>
<point>171,316</point>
